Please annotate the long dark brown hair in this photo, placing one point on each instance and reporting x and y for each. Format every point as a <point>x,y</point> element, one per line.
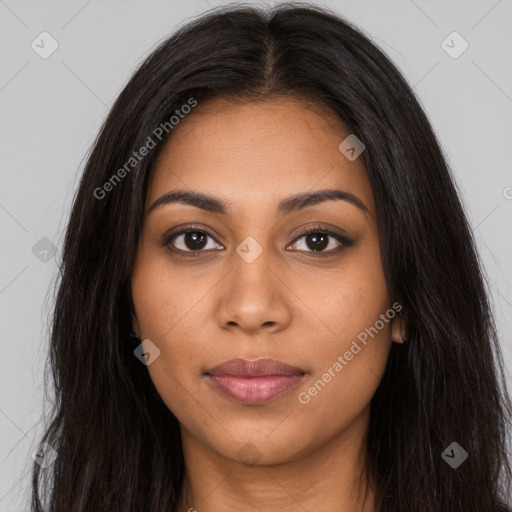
<point>118,445</point>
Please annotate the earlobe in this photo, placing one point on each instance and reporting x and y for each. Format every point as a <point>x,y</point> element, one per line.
<point>135,322</point>
<point>398,329</point>
<point>135,325</point>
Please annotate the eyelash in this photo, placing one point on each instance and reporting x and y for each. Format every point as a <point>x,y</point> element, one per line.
<point>343,240</point>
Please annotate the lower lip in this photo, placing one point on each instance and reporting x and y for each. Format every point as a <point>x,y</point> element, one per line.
<point>253,390</point>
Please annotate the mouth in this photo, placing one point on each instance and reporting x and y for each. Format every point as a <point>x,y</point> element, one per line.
<point>253,382</point>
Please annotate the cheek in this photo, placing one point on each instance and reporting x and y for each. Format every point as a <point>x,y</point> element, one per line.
<point>354,339</point>
<point>169,313</point>
<point>162,315</point>
<point>162,294</point>
<point>350,298</point>
<point>348,365</point>
<point>159,310</point>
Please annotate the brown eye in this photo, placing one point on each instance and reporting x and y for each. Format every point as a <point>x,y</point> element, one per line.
<point>191,240</point>
<point>313,240</point>
<point>194,240</point>
<point>317,240</point>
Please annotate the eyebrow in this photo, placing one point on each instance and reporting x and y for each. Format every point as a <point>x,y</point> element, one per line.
<point>286,206</point>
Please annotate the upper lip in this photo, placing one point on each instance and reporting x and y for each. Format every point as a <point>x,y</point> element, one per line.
<point>254,368</point>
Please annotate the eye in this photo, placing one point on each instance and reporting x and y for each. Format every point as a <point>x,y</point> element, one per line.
<point>317,240</point>
<point>191,240</point>
<point>314,239</point>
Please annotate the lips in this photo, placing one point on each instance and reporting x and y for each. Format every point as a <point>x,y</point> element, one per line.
<point>255,368</point>
<point>254,382</point>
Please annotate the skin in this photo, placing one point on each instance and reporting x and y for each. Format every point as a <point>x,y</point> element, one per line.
<point>204,308</point>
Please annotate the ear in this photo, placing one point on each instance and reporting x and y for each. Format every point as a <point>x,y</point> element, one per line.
<point>398,329</point>
<point>135,325</point>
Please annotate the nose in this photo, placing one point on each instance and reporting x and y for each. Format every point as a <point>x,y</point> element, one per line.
<point>253,297</point>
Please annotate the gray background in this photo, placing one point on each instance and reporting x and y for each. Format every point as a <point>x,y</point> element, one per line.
<point>51,110</point>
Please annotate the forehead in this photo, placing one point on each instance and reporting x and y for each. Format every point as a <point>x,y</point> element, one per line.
<point>253,154</point>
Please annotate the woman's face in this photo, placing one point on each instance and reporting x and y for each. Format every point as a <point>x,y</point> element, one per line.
<point>243,282</point>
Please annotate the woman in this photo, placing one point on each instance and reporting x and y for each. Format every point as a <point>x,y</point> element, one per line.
<point>270,294</point>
